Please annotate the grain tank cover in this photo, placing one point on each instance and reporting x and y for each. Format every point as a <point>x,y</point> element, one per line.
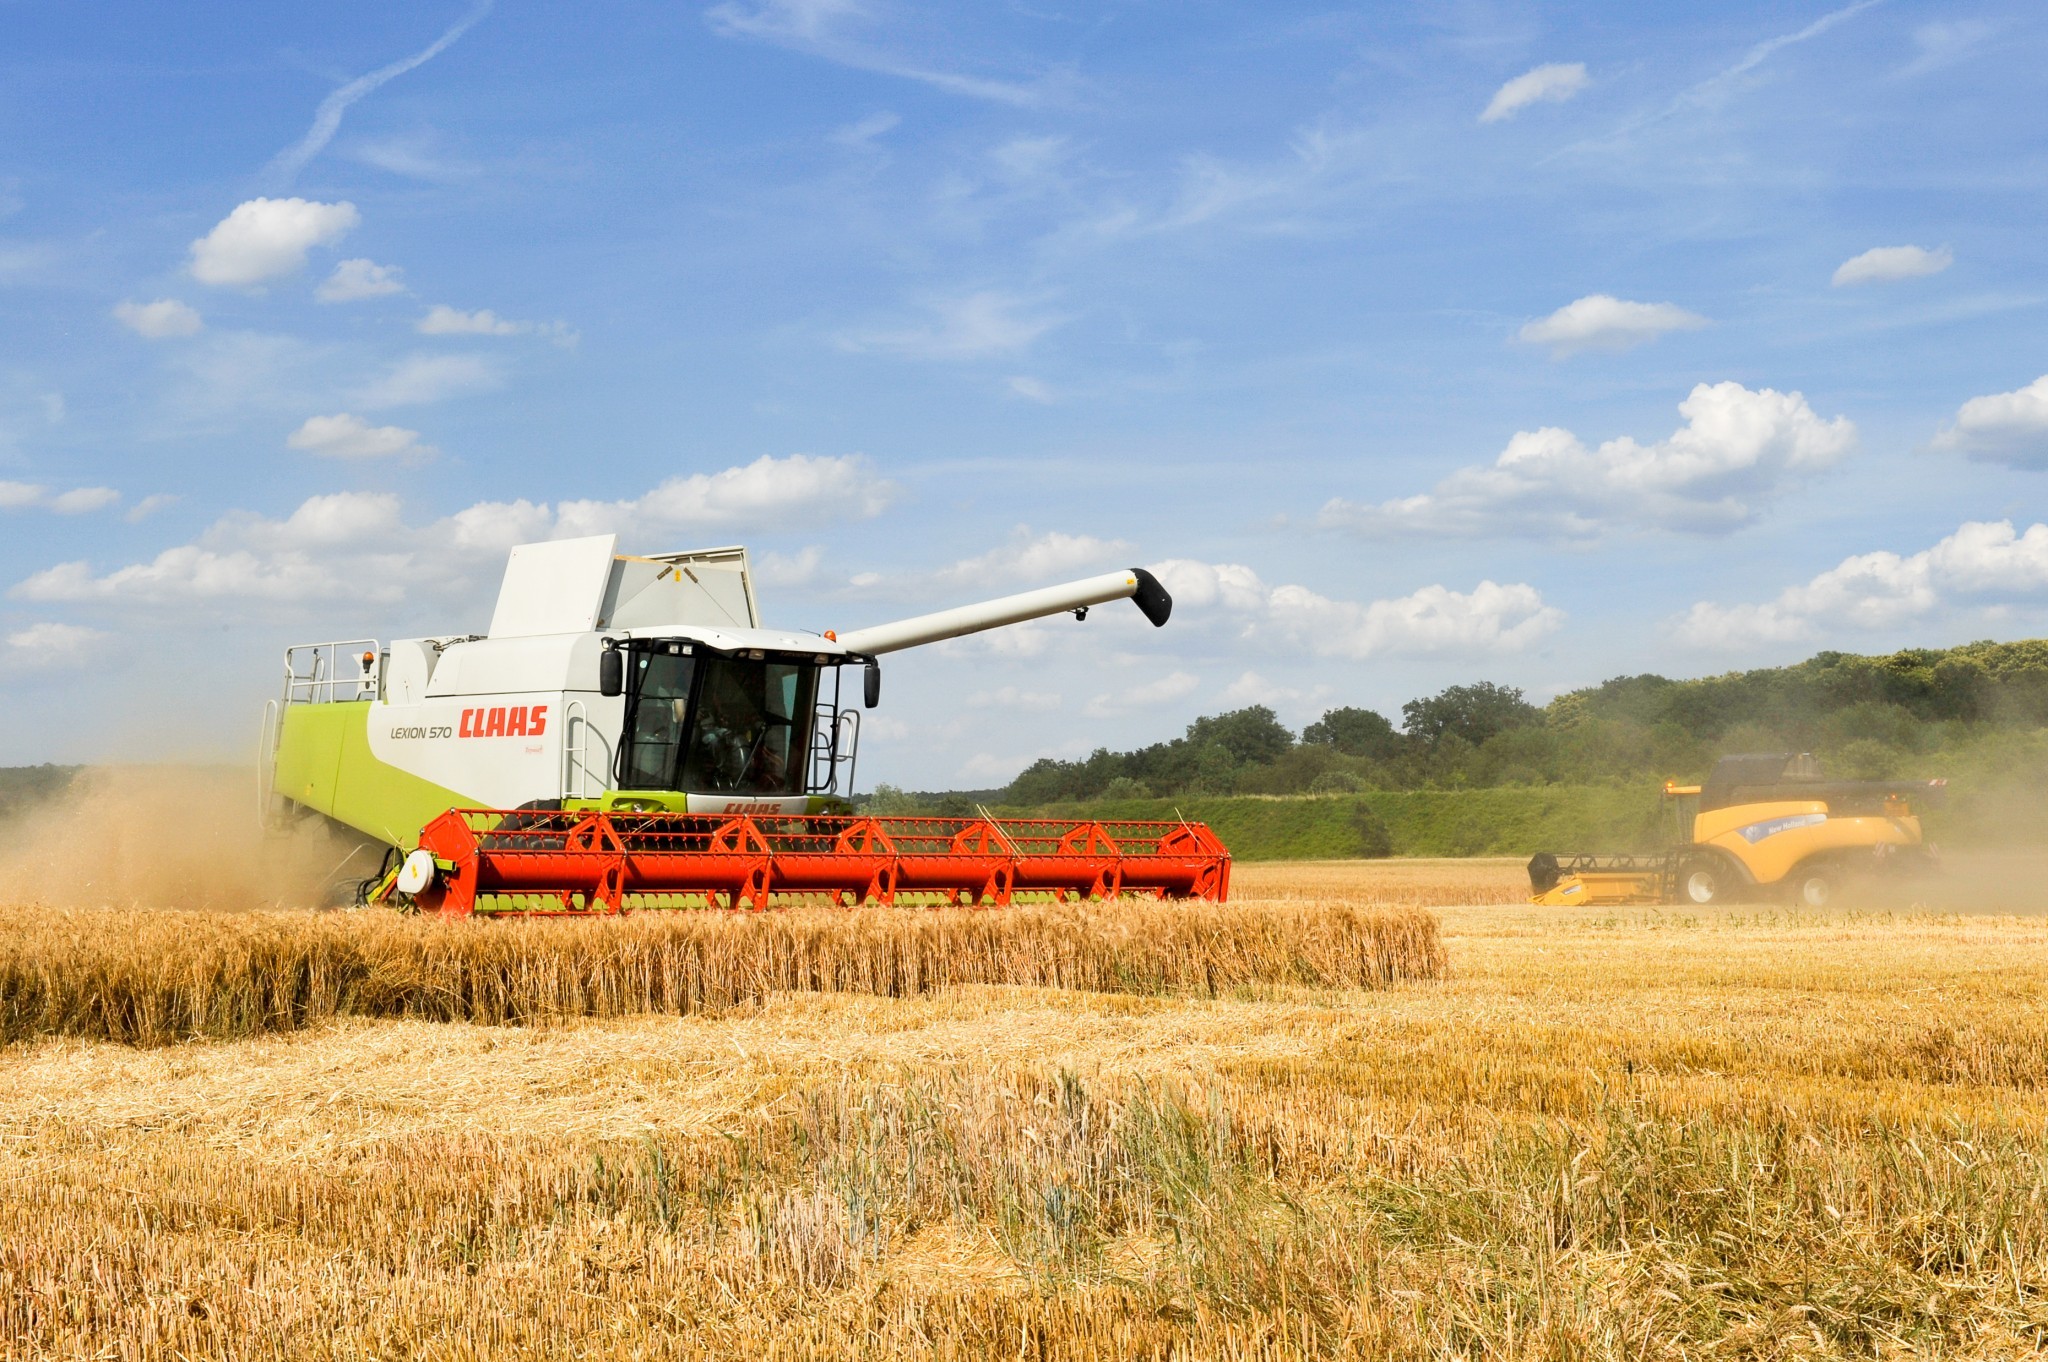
<point>572,586</point>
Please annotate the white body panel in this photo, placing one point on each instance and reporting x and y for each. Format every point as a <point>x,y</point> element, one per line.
<point>446,731</point>
<point>448,741</point>
<point>554,588</point>
<point>453,743</point>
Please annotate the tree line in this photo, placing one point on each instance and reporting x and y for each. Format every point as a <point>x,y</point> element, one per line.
<point>1869,718</point>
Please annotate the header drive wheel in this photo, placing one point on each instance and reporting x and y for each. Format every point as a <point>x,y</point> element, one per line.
<point>417,872</point>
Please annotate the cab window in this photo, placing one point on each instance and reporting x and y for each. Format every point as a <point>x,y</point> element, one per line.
<point>751,727</point>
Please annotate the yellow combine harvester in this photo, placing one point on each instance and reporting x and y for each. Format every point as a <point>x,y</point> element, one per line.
<point>1761,826</point>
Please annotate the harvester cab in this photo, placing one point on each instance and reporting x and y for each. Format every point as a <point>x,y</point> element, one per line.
<point>1761,826</point>
<point>627,733</point>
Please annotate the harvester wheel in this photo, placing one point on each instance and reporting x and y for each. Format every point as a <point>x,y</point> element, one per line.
<point>1702,882</point>
<point>1815,888</point>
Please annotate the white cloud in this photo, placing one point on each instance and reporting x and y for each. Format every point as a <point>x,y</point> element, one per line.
<point>989,322</point>
<point>358,547</point>
<point>1030,560</point>
<point>1031,389</point>
<point>1599,321</point>
<point>1152,695</point>
<point>19,496</point>
<point>1435,619</point>
<point>784,569</point>
<point>861,135</point>
<point>343,436</point>
<point>1942,43</point>
<point>1031,161</point>
<point>1014,697</point>
<point>1736,449</point>
<point>1883,264</point>
<point>355,280</point>
<point>50,645</point>
<point>802,20</point>
<point>266,239</point>
<point>148,506</point>
<point>1276,197</point>
<point>799,488</point>
<point>345,546</point>
<point>1017,641</point>
<point>1983,561</point>
<point>192,574</point>
<point>1553,83</point>
<point>420,379</point>
<point>79,500</point>
<point>1254,689</point>
<point>2009,428</point>
<point>443,320</point>
<point>157,320</point>
<point>818,28</point>
<point>421,155</point>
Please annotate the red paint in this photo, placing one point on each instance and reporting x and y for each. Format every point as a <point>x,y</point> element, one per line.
<point>588,863</point>
<point>514,721</point>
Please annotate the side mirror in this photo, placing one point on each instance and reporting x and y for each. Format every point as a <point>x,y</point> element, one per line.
<point>871,684</point>
<point>611,670</point>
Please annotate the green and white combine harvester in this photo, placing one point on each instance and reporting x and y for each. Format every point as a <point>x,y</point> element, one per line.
<point>627,735</point>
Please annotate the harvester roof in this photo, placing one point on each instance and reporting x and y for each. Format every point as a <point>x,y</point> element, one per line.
<point>572,586</point>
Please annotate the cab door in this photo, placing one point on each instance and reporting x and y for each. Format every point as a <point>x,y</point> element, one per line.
<point>658,682</point>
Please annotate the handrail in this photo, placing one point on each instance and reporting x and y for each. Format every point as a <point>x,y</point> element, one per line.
<point>575,751</point>
<point>266,761</point>
<point>314,673</point>
<point>835,742</point>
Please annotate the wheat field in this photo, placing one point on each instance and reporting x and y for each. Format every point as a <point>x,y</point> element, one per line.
<point>1740,1133</point>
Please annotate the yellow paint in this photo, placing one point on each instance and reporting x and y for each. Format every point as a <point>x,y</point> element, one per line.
<point>1771,858</point>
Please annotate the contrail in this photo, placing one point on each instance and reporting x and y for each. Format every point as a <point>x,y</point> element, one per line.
<point>1698,95</point>
<point>327,118</point>
<point>1757,54</point>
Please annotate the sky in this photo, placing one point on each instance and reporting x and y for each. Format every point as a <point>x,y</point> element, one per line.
<point>1410,344</point>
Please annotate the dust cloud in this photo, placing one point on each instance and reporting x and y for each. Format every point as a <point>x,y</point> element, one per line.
<point>2006,880</point>
<point>171,837</point>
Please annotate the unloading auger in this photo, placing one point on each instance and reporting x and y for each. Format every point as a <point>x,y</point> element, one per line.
<point>628,736</point>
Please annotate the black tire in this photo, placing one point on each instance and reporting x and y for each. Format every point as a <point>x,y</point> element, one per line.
<point>1703,881</point>
<point>1815,886</point>
<point>1543,872</point>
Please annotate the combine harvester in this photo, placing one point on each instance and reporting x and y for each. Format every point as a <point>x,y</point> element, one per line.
<point>1765,826</point>
<point>628,736</point>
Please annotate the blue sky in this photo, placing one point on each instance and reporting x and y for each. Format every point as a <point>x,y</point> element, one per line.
<point>1415,344</point>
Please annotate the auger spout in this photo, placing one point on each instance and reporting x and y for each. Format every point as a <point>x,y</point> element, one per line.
<point>1132,584</point>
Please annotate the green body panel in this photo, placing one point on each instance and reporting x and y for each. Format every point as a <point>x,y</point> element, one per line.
<point>671,801</point>
<point>324,763</point>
